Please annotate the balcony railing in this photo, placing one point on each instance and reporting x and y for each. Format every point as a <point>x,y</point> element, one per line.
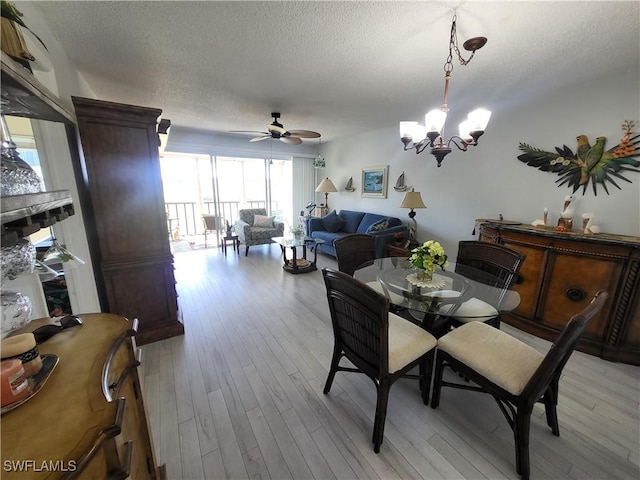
<point>186,216</point>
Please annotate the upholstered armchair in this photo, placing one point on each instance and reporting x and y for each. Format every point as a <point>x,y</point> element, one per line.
<point>256,228</point>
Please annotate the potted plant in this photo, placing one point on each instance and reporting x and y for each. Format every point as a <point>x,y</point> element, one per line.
<point>297,231</point>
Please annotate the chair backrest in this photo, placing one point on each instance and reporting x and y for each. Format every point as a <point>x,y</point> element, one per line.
<point>360,321</point>
<point>556,358</point>
<point>247,214</point>
<point>489,263</point>
<point>354,250</point>
<point>212,222</point>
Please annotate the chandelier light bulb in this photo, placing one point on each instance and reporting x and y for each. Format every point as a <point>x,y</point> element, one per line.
<point>465,131</point>
<point>434,121</point>
<point>419,132</point>
<point>478,120</point>
<point>407,129</point>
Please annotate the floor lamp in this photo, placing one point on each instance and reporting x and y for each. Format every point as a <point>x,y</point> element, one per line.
<point>412,200</point>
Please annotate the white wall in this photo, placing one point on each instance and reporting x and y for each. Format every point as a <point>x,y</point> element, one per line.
<point>489,180</point>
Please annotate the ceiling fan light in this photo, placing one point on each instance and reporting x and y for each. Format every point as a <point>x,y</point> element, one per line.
<point>478,120</point>
<point>434,120</point>
<point>276,128</point>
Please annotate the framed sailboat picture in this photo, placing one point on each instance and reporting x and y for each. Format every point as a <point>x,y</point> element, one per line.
<point>374,181</point>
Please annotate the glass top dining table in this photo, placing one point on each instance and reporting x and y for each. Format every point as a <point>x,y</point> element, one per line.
<point>431,303</point>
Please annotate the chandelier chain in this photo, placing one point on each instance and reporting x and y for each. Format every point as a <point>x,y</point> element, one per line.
<point>453,46</point>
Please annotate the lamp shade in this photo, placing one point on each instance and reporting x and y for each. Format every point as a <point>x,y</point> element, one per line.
<point>434,120</point>
<point>412,200</point>
<point>326,186</point>
<point>478,120</point>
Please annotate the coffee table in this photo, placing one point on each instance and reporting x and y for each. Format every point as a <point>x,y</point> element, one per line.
<point>302,264</point>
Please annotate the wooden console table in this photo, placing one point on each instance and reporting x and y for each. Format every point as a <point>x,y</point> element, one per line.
<point>562,272</point>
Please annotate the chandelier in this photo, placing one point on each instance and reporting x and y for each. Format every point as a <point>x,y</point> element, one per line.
<point>431,134</point>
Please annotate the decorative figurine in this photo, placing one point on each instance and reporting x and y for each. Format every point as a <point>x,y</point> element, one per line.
<point>587,227</point>
<point>565,222</point>
<point>541,222</point>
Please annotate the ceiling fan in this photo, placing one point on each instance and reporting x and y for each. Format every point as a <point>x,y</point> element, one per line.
<point>276,130</point>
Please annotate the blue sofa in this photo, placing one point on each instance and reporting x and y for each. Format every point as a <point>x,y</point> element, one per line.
<point>336,225</point>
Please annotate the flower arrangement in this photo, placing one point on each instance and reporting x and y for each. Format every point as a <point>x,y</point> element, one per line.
<point>428,256</point>
<point>297,231</point>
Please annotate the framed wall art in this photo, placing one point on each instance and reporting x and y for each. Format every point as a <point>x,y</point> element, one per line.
<point>374,181</point>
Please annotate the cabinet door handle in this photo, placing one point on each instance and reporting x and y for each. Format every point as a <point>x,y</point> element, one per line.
<point>575,294</point>
<point>106,386</point>
<point>124,470</point>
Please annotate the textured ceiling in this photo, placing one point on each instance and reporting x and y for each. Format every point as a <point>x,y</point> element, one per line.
<point>339,68</point>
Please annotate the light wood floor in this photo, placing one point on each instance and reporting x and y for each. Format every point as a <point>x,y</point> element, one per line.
<point>240,395</point>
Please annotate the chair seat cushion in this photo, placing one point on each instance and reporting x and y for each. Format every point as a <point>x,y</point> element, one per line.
<point>494,354</point>
<point>511,300</point>
<point>474,309</point>
<point>407,342</point>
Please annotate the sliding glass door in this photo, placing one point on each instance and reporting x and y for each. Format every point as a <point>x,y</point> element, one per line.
<point>196,185</point>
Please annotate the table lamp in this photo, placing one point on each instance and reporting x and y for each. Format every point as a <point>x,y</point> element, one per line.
<point>412,200</point>
<point>325,187</point>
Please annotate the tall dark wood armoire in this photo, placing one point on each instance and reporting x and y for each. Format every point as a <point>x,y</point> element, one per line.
<point>127,223</point>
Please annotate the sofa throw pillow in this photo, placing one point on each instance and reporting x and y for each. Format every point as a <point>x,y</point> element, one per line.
<point>332,222</point>
<point>378,226</point>
<point>262,221</point>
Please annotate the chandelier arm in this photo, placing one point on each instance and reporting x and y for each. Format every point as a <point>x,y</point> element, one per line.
<point>420,146</point>
<point>460,142</point>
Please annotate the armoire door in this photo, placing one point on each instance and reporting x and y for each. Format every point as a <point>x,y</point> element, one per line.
<point>124,184</point>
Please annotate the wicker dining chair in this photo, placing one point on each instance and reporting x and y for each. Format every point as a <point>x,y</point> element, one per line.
<point>379,344</point>
<point>496,266</point>
<point>516,375</point>
<point>354,250</point>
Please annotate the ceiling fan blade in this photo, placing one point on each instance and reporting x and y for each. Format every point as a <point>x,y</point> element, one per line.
<point>248,131</point>
<point>275,128</point>
<point>291,140</point>
<point>304,133</point>
<point>258,139</point>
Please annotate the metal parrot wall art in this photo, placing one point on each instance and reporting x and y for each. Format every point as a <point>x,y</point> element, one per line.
<point>590,163</point>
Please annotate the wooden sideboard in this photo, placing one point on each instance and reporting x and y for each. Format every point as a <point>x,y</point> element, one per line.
<point>562,271</point>
<point>88,420</point>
